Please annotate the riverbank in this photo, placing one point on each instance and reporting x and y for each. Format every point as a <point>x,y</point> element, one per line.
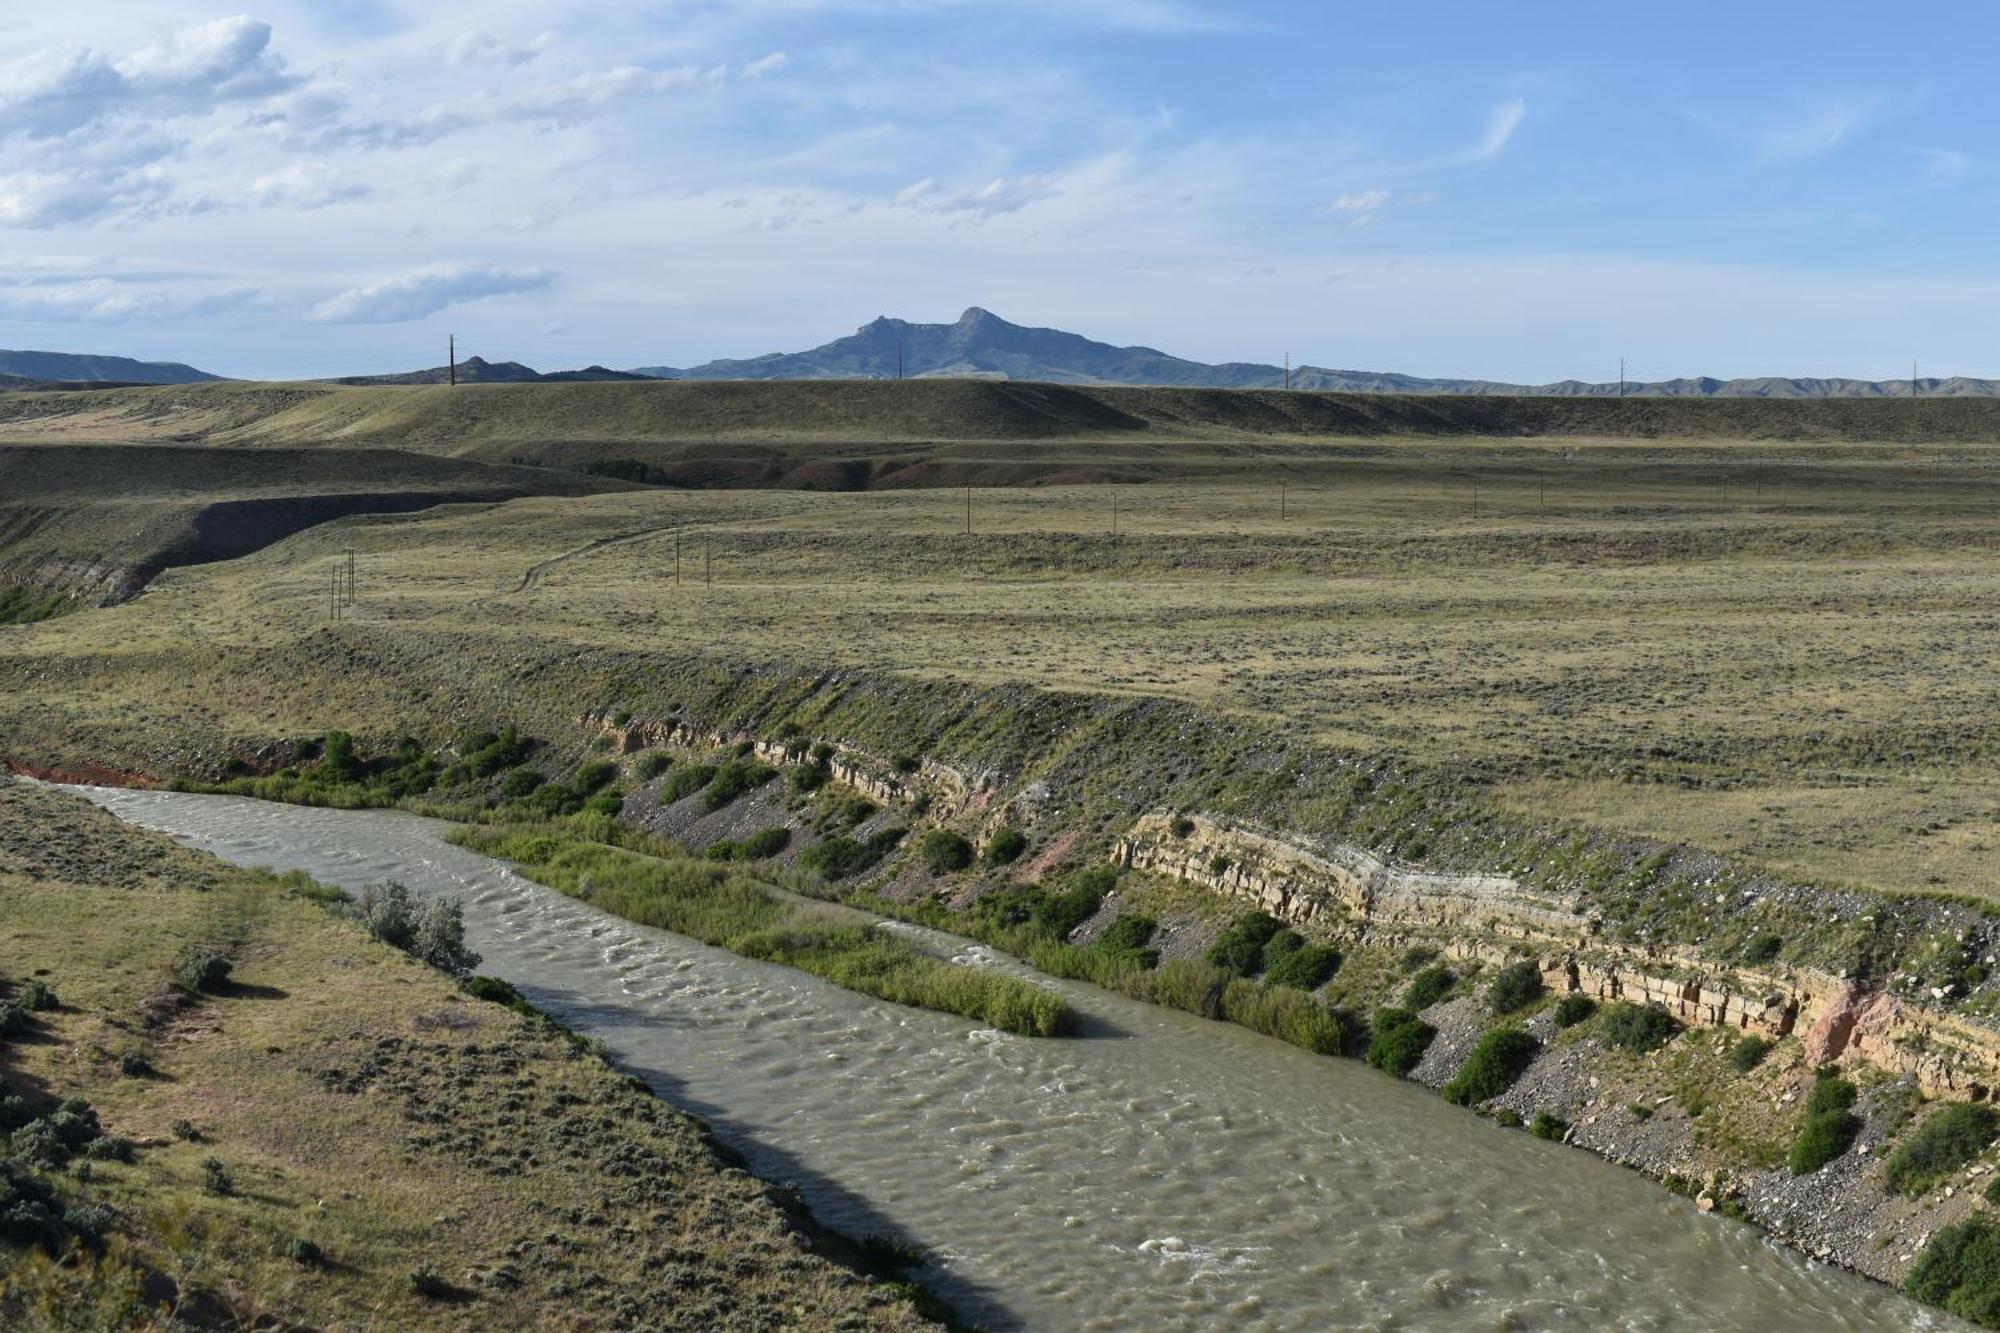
<point>1159,1171</point>
<point>334,1133</point>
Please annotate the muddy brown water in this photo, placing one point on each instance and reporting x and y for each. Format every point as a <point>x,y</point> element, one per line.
<point>1159,1172</point>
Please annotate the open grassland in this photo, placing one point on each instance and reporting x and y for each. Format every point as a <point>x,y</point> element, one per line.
<point>1788,654</point>
<point>339,1136</point>
<point>859,433</point>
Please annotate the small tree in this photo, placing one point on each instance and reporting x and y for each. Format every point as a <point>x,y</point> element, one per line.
<point>440,937</point>
<point>387,913</point>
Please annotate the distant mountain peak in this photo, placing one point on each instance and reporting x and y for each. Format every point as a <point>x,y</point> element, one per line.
<point>981,345</point>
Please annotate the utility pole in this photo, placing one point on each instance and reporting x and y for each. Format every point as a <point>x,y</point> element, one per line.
<point>708,564</point>
<point>350,576</point>
<point>968,511</point>
<point>451,358</point>
<point>1281,501</point>
<point>899,356</point>
<point>1621,377</point>
<point>1913,379</point>
<point>677,557</point>
<point>1288,370</point>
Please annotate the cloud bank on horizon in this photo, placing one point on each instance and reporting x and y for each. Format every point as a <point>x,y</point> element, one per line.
<point>318,188</point>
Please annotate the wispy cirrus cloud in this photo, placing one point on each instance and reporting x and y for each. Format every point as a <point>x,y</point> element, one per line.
<point>1812,127</point>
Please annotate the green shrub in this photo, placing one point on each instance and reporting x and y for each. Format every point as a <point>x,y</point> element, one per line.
<point>1959,1271</point>
<point>215,1177</point>
<point>1637,1027</point>
<point>1399,1041</point>
<point>651,764</point>
<point>944,851</point>
<point>1500,1058</point>
<point>593,775</point>
<point>1307,967</point>
<point>1748,1053</point>
<point>493,753</point>
<point>837,858</point>
<point>1429,986</point>
<point>1574,1009</point>
<point>1829,1129</point>
<point>1830,1094</point>
<point>519,782</point>
<point>1287,1014</point>
<point>1125,940</point>
<point>806,778</point>
<point>303,1252</point>
<point>608,803</point>
<point>685,781</point>
<point>1061,914</point>
<point>496,991</point>
<point>1762,948</point>
<point>732,780</point>
<point>1508,1118</point>
<point>1240,949</point>
<point>1005,847</point>
<point>1515,987</point>
<point>1546,1126</point>
<point>1943,1143</point>
<point>1182,826</point>
<point>185,1131</point>
<point>201,968</point>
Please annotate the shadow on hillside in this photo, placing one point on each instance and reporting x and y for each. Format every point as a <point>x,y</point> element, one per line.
<point>834,1206</point>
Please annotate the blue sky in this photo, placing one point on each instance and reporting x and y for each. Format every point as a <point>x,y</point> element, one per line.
<point>1518,191</point>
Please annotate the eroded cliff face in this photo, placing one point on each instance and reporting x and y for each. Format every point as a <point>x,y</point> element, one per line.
<point>1351,891</point>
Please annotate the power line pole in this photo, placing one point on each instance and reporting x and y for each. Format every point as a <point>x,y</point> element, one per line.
<point>350,576</point>
<point>899,356</point>
<point>1281,501</point>
<point>1913,379</point>
<point>677,557</point>
<point>1621,377</point>
<point>451,358</point>
<point>1288,370</point>
<point>968,511</point>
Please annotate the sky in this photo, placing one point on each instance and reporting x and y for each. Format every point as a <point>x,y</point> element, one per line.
<point>1459,187</point>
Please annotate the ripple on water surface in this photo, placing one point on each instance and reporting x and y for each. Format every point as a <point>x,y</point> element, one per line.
<point>1168,1174</point>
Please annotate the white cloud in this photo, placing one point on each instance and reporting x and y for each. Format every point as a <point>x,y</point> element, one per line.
<point>1001,195</point>
<point>483,48</point>
<point>303,186</point>
<point>1812,128</point>
<point>52,92</point>
<point>104,301</point>
<point>1946,162</point>
<point>425,292</point>
<point>769,64</point>
<point>1501,122</point>
<point>1360,207</point>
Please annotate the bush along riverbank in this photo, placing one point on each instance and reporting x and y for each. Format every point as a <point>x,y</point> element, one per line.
<point>728,909</point>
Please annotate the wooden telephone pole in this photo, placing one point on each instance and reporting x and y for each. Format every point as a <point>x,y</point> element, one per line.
<point>451,358</point>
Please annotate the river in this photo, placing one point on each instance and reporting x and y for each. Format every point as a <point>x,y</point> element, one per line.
<point>1158,1172</point>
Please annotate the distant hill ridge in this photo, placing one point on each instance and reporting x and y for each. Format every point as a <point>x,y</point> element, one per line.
<point>42,368</point>
<point>981,345</point>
